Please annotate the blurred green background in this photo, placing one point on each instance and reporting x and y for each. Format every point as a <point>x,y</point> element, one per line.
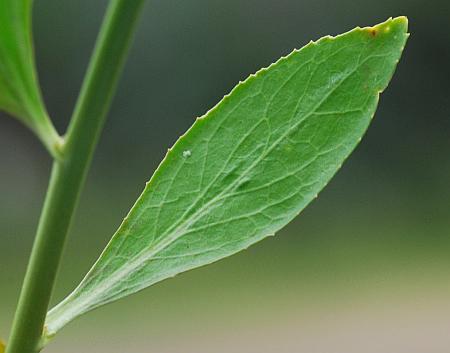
<point>364,269</point>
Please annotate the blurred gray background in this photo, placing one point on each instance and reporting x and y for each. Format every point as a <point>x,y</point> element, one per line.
<point>364,269</point>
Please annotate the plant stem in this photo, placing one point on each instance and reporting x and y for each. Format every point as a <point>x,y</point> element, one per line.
<point>69,172</point>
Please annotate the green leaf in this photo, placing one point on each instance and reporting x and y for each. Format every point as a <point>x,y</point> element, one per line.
<point>248,167</point>
<point>19,90</point>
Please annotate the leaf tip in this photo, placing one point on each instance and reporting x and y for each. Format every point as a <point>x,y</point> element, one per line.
<point>401,20</point>
<point>397,24</point>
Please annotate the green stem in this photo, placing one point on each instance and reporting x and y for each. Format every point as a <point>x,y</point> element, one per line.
<point>69,172</point>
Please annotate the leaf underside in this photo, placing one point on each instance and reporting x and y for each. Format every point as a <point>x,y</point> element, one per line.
<point>248,167</point>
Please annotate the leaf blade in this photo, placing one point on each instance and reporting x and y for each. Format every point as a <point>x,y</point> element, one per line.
<point>248,167</point>
<point>20,94</point>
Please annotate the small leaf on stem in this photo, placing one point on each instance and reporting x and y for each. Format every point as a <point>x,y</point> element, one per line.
<point>19,90</point>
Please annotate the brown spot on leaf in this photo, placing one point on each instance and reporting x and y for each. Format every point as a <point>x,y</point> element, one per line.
<point>373,32</point>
